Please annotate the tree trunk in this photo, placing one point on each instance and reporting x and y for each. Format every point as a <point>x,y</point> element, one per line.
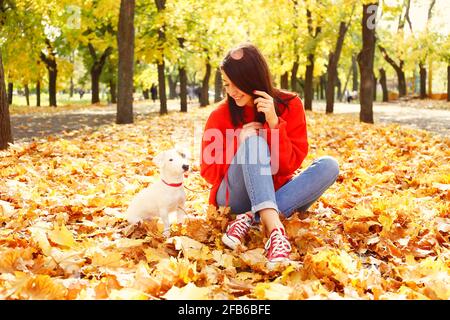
<point>430,77</point>
<point>183,89</point>
<point>5,121</point>
<point>27,95</point>
<point>384,84</point>
<point>52,68</point>
<point>146,94</point>
<point>331,82</point>
<point>125,42</point>
<point>347,78</point>
<point>401,83</point>
<point>423,81</point>
<point>323,85</point>
<point>294,76</point>
<point>218,86</point>
<point>321,93</point>
<point>448,82</point>
<point>398,67</point>
<point>10,92</point>
<point>309,72</point>
<point>374,87</point>
<point>355,86</point>
<point>38,93</point>
<point>365,61</point>
<point>52,75</point>
<point>71,89</point>
<point>172,87</point>
<point>113,91</point>
<point>95,84</point>
<point>204,97</point>
<point>96,71</point>
<point>333,61</point>
<point>309,82</point>
<point>184,79</point>
<point>161,6</point>
<point>284,81</point>
<point>339,87</point>
<point>162,88</point>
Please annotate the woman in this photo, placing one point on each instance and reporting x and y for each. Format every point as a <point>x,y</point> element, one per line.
<point>253,143</point>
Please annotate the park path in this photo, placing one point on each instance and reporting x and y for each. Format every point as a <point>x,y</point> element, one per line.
<point>36,125</point>
<point>433,120</point>
<point>27,127</point>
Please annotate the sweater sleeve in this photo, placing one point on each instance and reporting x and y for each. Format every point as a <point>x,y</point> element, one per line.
<point>212,158</point>
<point>291,149</point>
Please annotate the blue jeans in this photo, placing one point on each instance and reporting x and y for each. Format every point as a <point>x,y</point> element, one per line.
<point>249,190</point>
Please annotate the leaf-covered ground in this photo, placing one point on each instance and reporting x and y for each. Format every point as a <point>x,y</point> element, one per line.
<point>381,232</point>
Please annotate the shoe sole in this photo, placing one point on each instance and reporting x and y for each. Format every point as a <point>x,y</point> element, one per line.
<point>229,242</point>
<point>278,262</point>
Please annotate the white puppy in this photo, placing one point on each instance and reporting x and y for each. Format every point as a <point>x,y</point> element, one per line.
<point>164,196</point>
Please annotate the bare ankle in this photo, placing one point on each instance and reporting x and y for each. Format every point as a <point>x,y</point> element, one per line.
<point>270,220</point>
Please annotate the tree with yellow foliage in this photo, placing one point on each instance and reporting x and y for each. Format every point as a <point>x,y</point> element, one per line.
<point>5,123</point>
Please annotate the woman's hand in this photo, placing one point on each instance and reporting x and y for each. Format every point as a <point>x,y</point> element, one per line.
<point>248,130</point>
<point>265,104</point>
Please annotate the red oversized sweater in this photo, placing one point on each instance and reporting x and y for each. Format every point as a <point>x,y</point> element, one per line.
<point>293,144</point>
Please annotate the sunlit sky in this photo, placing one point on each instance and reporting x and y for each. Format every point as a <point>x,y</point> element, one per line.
<point>419,11</point>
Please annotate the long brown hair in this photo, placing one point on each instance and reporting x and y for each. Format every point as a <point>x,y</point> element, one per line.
<point>248,70</point>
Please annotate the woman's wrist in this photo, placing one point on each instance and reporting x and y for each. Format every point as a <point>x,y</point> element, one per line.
<point>273,122</point>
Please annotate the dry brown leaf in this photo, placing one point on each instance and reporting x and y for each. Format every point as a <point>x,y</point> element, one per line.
<point>381,231</point>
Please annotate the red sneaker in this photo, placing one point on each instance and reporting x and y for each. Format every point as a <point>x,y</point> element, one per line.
<point>237,229</point>
<point>278,247</point>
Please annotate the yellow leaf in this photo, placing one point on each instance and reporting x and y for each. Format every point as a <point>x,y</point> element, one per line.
<point>155,255</point>
<point>6,209</point>
<point>441,186</point>
<point>107,259</point>
<point>62,236</point>
<point>255,259</point>
<point>192,249</point>
<point>127,294</point>
<point>443,224</point>
<point>188,292</point>
<point>15,259</point>
<point>387,219</point>
<point>198,229</point>
<point>411,294</point>
<point>144,281</point>
<point>438,288</point>
<point>272,291</point>
<point>125,243</point>
<point>337,264</point>
<point>285,274</point>
<point>360,212</point>
<point>223,259</point>
<point>175,270</point>
<point>40,237</point>
<point>40,287</point>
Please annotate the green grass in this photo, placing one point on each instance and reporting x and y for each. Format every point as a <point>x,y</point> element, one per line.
<point>62,99</point>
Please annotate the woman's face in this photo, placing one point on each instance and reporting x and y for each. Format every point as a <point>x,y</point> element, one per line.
<point>242,99</point>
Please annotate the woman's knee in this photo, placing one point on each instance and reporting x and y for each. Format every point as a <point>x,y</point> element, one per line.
<point>329,166</point>
<point>256,140</point>
<point>253,150</point>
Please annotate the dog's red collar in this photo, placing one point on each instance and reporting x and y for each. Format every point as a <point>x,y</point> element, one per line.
<point>172,184</point>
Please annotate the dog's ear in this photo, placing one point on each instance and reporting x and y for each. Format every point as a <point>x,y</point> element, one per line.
<point>183,151</point>
<point>187,154</point>
<point>159,159</point>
